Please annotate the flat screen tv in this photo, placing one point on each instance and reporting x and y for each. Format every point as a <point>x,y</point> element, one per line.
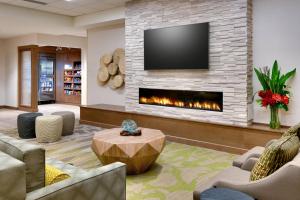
<point>179,47</point>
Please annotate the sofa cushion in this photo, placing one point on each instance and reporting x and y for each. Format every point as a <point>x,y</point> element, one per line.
<point>54,175</point>
<point>275,156</point>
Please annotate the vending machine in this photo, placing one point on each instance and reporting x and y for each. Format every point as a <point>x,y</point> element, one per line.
<point>47,79</point>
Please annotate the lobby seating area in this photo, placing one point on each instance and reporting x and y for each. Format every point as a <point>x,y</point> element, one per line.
<point>149,100</point>
<point>237,177</point>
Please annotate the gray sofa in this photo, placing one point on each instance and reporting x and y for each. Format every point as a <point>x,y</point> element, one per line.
<point>283,184</point>
<point>22,176</point>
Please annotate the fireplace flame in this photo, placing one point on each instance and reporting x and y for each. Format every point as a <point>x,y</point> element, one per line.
<point>206,105</point>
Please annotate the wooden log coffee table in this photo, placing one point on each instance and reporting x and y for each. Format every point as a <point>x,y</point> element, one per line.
<point>137,152</point>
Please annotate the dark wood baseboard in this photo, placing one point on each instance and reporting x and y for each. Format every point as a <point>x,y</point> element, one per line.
<point>229,138</point>
<point>9,107</point>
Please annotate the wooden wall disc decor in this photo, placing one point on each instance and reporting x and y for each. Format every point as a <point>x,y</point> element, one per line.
<point>113,68</point>
<point>118,53</point>
<point>103,74</point>
<point>122,65</point>
<point>102,64</point>
<point>118,81</point>
<point>107,58</point>
<point>111,83</point>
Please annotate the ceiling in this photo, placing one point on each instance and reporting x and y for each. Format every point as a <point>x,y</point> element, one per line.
<point>68,7</point>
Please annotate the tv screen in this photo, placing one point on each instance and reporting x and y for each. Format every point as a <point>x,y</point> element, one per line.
<point>179,47</point>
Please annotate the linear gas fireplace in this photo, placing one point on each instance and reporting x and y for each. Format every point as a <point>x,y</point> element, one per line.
<point>201,100</point>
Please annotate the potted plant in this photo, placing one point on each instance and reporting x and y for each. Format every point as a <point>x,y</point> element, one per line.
<point>274,94</point>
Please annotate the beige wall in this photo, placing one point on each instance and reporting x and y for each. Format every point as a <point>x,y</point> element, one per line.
<point>100,41</point>
<point>11,66</point>
<point>276,36</point>
<point>2,71</point>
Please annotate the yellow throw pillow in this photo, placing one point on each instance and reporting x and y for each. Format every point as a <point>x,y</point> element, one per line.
<point>54,175</point>
<point>275,156</point>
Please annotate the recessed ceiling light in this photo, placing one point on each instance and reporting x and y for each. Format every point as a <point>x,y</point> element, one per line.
<point>68,0</point>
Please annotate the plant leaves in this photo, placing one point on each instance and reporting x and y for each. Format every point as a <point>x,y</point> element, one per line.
<point>274,77</point>
<point>287,76</point>
<point>262,79</point>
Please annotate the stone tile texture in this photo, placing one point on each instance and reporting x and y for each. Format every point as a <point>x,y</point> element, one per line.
<point>230,67</point>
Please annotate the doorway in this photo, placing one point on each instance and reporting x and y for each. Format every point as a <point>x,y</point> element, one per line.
<point>49,75</point>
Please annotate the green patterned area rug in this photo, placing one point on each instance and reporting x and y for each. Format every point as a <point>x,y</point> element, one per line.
<point>175,175</point>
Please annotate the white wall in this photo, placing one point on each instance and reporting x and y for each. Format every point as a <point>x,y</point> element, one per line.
<point>16,21</point>
<point>100,41</point>
<point>11,66</point>
<point>2,71</point>
<point>276,36</point>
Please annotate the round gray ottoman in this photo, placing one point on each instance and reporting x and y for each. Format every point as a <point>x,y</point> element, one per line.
<point>26,125</point>
<point>68,122</point>
<point>48,128</point>
<point>223,194</point>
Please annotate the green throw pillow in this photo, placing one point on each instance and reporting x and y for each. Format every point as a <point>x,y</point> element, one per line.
<point>275,156</point>
<point>294,130</point>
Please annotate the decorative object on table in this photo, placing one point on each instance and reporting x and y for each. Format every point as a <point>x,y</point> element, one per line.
<point>138,153</point>
<point>130,128</point>
<point>112,69</point>
<point>138,132</point>
<point>274,94</point>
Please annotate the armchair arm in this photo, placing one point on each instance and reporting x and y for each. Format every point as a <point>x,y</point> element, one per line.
<point>107,182</point>
<point>12,178</point>
<point>283,184</point>
<point>255,152</point>
<point>32,155</point>
<point>249,164</point>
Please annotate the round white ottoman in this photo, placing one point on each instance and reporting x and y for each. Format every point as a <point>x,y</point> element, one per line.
<point>48,128</point>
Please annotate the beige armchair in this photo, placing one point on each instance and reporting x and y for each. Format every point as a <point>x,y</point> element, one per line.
<point>22,173</point>
<point>283,184</point>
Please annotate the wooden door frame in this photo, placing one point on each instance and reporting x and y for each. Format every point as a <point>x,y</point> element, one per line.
<point>34,78</point>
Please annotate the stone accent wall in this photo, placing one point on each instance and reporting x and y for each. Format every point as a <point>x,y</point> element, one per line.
<point>230,69</point>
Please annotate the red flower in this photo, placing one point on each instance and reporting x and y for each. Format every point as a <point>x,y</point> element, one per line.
<point>271,101</point>
<point>262,94</point>
<point>267,101</point>
<point>277,98</point>
<point>264,102</point>
<point>265,93</point>
<point>269,94</point>
<point>285,99</point>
